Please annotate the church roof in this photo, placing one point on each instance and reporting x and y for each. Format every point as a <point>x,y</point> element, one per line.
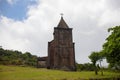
<point>42,58</point>
<point>62,23</point>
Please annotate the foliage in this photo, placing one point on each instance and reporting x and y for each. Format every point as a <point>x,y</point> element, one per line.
<point>111,48</point>
<point>85,67</point>
<point>94,57</point>
<point>10,57</point>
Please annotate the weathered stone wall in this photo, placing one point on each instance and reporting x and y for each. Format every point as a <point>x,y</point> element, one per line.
<point>61,54</point>
<point>61,50</point>
<point>42,62</point>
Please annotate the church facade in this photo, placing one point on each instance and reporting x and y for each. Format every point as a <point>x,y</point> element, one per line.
<point>61,52</point>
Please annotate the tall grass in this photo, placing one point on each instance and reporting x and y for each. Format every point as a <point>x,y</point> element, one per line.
<point>30,73</point>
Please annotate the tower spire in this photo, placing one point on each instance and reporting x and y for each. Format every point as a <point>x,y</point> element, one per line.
<point>62,23</point>
<point>61,14</point>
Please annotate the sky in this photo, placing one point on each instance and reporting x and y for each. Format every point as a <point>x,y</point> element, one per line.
<point>28,25</point>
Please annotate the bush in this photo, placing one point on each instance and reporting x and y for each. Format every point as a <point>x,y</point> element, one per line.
<point>10,57</point>
<point>85,67</point>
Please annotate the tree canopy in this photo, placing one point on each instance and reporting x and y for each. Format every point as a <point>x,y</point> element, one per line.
<point>94,57</point>
<point>111,47</point>
<point>10,57</point>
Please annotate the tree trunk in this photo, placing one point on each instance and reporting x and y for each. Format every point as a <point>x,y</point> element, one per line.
<point>96,71</point>
<point>101,69</point>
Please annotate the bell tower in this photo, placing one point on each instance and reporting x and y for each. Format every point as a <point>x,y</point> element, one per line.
<point>61,53</point>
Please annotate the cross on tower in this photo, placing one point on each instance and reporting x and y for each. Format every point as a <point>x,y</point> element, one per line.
<point>61,14</point>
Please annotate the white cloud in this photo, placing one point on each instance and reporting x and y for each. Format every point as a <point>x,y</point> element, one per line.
<point>110,18</point>
<point>11,1</point>
<point>113,4</point>
<point>88,18</point>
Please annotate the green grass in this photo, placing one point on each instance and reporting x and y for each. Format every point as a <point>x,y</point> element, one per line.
<point>30,73</point>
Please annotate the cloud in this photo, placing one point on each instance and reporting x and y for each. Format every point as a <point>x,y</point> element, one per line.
<point>110,18</point>
<point>11,2</point>
<point>88,18</point>
<point>113,4</point>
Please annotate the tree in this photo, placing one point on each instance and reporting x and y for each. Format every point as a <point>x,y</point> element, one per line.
<point>111,48</point>
<point>10,57</point>
<point>94,57</point>
<point>101,57</point>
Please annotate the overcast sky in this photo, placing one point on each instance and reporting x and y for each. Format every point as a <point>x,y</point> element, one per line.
<point>27,25</point>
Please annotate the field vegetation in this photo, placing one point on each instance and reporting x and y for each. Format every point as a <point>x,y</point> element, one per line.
<point>32,73</point>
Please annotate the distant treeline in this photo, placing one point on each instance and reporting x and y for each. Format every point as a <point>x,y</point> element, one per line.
<point>10,57</point>
<point>85,67</point>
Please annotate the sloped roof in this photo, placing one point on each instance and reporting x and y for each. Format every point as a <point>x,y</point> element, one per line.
<point>42,58</point>
<point>62,24</point>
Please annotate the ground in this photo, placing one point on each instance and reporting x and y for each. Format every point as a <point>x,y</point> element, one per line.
<point>30,73</point>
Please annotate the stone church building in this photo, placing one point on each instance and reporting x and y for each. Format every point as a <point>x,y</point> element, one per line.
<point>61,53</point>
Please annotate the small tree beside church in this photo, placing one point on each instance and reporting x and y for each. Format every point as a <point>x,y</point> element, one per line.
<point>94,57</point>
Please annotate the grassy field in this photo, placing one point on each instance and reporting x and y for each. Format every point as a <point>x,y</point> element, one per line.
<point>29,73</point>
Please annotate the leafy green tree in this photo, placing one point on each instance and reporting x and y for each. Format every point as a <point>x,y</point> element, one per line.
<point>10,57</point>
<point>101,57</point>
<point>94,57</point>
<point>111,48</point>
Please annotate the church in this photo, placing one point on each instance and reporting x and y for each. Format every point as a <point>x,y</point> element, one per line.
<point>61,52</point>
